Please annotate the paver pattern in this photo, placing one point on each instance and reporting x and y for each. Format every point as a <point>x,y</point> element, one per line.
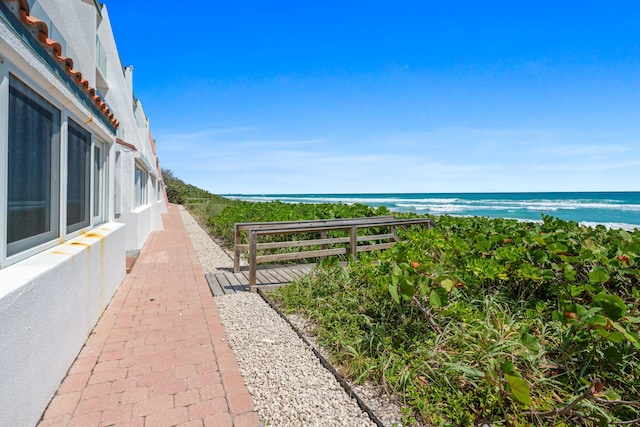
<point>159,354</point>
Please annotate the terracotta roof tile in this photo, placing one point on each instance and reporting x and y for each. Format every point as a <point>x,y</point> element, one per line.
<point>126,144</point>
<point>40,31</point>
<point>54,48</point>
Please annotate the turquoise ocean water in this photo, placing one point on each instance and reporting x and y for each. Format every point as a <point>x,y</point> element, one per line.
<point>612,209</point>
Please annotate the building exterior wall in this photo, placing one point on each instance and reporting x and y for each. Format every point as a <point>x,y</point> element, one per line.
<point>140,219</point>
<point>134,131</point>
<point>52,294</point>
<point>49,303</point>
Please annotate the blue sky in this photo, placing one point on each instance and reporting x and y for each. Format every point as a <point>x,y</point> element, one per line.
<point>345,96</point>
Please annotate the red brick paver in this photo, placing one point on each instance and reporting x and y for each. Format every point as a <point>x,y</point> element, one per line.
<point>159,355</point>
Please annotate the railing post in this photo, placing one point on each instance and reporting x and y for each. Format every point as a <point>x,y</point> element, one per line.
<point>354,242</point>
<point>323,235</point>
<point>236,248</point>
<point>253,242</point>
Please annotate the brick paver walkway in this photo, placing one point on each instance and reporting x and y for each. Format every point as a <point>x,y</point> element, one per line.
<point>158,356</point>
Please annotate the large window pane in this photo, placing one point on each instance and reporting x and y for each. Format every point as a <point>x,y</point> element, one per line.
<point>33,167</point>
<point>97,181</point>
<point>78,177</point>
<point>141,187</point>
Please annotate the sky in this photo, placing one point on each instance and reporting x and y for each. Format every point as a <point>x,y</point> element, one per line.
<point>286,97</point>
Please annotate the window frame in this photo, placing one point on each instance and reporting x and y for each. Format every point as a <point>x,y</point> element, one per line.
<point>99,183</point>
<point>154,188</point>
<point>85,174</point>
<point>160,191</point>
<point>10,79</point>
<point>36,242</point>
<point>140,181</point>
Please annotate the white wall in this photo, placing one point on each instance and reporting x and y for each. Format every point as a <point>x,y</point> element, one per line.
<point>50,301</point>
<point>49,304</point>
<point>141,220</point>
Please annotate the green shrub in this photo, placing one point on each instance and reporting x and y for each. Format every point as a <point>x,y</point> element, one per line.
<point>490,319</point>
<point>235,211</point>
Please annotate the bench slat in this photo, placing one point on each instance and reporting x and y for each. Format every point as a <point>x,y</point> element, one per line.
<point>300,255</point>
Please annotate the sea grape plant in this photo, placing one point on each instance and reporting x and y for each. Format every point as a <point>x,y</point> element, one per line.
<point>587,277</point>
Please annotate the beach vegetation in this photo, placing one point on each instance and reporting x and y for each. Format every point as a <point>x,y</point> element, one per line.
<point>242,211</point>
<point>179,192</point>
<point>477,320</point>
<point>489,320</point>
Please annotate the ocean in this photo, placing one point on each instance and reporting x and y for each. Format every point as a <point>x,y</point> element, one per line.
<point>612,209</point>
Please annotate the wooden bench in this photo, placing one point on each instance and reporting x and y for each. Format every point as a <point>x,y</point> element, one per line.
<point>353,244</point>
<point>197,201</point>
<point>239,227</point>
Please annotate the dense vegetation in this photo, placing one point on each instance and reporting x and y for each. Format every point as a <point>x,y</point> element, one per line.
<point>180,192</point>
<point>490,319</point>
<point>239,211</point>
<point>478,319</point>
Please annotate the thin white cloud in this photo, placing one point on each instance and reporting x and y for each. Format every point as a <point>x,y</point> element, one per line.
<point>582,150</point>
<point>448,159</point>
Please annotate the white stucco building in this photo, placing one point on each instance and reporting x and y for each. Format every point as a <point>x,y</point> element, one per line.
<point>80,186</point>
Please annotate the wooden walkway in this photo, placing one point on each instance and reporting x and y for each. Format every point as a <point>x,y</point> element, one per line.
<point>231,283</point>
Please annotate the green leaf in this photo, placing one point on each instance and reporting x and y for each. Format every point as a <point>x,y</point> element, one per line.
<point>530,342</point>
<point>540,256</point>
<point>599,275</point>
<point>423,285</point>
<point>540,241</point>
<point>616,337</point>
<point>578,309</point>
<point>598,320</point>
<point>588,243</point>
<point>393,290</point>
<point>508,368</point>
<point>519,389</point>
<point>613,355</point>
<point>612,305</point>
<point>331,262</point>
<point>610,395</point>
<point>570,274</point>
<point>439,297</point>
<point>468,371</point>
<point>350,349</point>
<point>626,333</point>
<point>407,290</point>
<point>447,284</point>
<point>625,235</point>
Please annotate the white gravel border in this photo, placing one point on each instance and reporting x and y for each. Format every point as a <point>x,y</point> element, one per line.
<point>287,382</point>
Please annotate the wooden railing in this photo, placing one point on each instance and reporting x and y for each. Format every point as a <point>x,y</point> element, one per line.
<point>239,227</point>
<point>353,244</point>
<point>197,201</point>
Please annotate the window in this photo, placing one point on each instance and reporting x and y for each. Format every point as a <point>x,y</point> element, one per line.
<point>56,182</point>
<point>141,187</point>
<point>33,159</point>
<point>117,203</point>
<point>154,187</point>
<point>99,184</point>
<point>78,177</point>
